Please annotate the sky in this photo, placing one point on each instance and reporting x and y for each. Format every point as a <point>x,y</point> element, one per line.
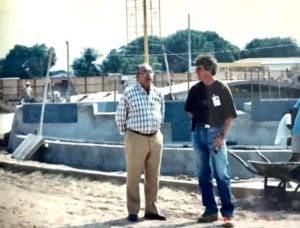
<point>101,24</point>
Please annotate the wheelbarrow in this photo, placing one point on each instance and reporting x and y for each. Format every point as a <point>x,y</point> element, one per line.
<point>283,171</point>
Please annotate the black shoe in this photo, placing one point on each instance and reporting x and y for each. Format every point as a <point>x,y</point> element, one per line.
<point>207,218</point>
<point>155,217</point>
<point>132,218</point>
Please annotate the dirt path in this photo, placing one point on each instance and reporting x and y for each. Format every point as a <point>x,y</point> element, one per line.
<point>46,200</point>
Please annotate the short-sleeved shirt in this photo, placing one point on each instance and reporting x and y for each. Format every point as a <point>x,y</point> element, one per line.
<point>140,111</point>
<point>210,105</point>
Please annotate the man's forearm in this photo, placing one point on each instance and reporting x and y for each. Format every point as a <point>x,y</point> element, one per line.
<point>227,126</point>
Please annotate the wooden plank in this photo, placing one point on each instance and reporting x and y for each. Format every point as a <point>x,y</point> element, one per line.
<point>28,147</point>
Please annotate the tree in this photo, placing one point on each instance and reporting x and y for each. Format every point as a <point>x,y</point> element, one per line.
<point>125,59</point>
<point>1,67</point>
<point>85,65</point>
<point>112,63</point>
<point>201,43</point>
<point>271,47</point>
<point>27,62</point>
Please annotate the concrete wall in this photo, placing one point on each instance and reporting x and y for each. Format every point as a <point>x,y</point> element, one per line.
<point>270,109</point>
<point>102,128</point>
<point>111,158</point>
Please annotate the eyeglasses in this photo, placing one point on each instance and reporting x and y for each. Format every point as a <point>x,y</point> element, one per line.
<point>144,71</point>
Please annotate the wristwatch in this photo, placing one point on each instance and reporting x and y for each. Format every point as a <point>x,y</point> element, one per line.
<point>222,134</point>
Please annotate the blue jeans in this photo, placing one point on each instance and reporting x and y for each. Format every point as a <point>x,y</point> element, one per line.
<point>209,162</point>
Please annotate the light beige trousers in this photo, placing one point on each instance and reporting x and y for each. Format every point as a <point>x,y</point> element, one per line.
<point>142,153</point>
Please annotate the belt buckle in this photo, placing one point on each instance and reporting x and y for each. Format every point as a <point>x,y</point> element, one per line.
<point>206,125</point>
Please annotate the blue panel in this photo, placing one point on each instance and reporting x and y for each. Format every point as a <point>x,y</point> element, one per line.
<point>181,131</point>
<point>54,113</point>
<point>175,111</point>
<point>107,106</point>
<point>239,103</point>
<point>179,119</point>
<point>270,110</point>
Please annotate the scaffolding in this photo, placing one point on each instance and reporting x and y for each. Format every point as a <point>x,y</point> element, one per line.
<point>134,18</point>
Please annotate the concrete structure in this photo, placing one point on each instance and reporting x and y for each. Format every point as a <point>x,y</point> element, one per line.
<point>272,64</point>
<point>85,135</point>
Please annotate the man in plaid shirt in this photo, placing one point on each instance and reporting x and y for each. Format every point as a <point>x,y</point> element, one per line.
<point>139,116</point>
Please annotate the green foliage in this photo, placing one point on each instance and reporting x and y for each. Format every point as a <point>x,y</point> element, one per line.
<point>27,62</point>
<point>1,67</point>
<point>201,43</point>
<point>85,65</point>
<point>271,47</point>
<point>125,59</point>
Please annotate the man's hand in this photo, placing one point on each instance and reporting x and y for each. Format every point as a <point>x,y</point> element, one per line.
<point>219,142</point>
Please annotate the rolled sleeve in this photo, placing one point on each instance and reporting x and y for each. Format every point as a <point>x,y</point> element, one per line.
<point>229,108</point>
<point>121,115</point>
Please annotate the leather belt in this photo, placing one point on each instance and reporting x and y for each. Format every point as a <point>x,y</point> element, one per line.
<point>202,125</point>
<point>139,133</point>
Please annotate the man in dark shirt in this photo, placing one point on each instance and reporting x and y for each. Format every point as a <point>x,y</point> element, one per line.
<point>211,108</point>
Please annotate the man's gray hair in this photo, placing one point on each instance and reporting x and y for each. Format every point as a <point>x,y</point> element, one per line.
<point>208,62</point>
<point>144,66</point>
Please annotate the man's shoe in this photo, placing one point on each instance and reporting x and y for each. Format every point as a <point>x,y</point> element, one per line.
<point>207,218</point>
<point>155,217</point>
<point>227,221</point>
<point>132,218</point>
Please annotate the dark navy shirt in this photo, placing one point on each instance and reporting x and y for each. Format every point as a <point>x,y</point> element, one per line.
<point>200,103</point>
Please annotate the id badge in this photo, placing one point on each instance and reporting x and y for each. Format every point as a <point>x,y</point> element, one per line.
<point>216,100</point>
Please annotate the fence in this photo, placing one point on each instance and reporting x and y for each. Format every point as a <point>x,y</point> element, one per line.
<point>11,88</point>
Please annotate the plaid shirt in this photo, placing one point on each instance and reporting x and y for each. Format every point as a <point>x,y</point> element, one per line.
<point>139,111</point>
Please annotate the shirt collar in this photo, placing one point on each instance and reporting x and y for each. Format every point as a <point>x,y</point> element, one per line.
<point>142,88</point>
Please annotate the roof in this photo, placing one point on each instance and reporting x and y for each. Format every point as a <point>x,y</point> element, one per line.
<point>275,60</point>
<point>276,63</point>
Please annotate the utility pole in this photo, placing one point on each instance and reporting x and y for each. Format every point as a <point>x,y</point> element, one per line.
<point>189,51</point>
<point>189,44</point>
<point>146,47</point>
<point>68,70</point>
<point>68,57</point>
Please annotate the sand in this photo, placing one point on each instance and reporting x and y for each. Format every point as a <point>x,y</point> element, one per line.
<point>48,200</point>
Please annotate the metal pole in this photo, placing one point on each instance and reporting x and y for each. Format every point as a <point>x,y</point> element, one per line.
<point>151,19</point>
<point>279,91</point>
<point>167,68</point>
<point>251,78</point>
<point>146,50</point>
<point>102,83</point>
<point>189,44</point>
<point>68,70</point>
<point>269,78</point>
<point>85,84</point>
<point>159,19</point>
<point>127,22</point>
<point>136,30</point>
<point>68,58</point>
<point>40,131</point>
<point>259,85</point>
<point>115,93</point>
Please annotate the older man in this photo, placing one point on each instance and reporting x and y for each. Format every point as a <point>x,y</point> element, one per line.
<point>139,116</point>
<point>211,107</point>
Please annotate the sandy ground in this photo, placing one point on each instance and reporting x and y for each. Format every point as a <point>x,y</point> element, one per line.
<point>47,200</point>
